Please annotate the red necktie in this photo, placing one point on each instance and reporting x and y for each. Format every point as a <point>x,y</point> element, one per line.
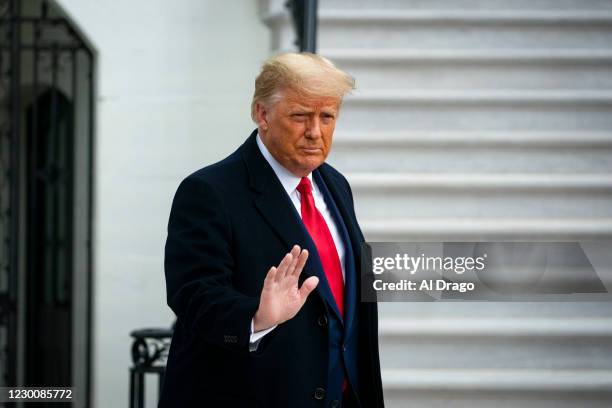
<point>319,232</point>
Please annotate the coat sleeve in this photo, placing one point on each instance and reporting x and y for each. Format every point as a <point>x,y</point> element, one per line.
<point>199,266</point>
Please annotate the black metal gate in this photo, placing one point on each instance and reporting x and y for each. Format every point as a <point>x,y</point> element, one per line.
<point>46,188</point>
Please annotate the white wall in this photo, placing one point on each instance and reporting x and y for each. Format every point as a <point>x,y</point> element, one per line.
<point>174,86</point>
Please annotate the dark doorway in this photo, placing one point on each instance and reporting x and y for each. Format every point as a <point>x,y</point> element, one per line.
<point>50,172</point>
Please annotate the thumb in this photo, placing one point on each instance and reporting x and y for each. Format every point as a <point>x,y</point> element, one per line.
<point>308,286</point>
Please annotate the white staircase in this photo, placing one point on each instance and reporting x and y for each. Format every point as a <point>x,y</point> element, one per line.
<point>478,119</point>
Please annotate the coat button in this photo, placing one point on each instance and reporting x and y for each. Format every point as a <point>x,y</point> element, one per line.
<point>319,393</point>
<point>322,320</point>
<point>334,404</point>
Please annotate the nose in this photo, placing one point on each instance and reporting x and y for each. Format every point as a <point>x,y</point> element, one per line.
<point>313,130</point>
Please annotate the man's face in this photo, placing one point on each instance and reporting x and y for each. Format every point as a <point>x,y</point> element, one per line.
<point>298,131</point>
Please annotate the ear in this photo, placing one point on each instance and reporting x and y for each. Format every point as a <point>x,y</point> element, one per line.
<point>261,114</point>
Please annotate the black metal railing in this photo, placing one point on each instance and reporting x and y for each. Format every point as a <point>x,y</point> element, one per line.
<point>149,353</point>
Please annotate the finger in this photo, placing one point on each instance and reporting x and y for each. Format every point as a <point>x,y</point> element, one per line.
<point>295,253</point>
<point>282,267</point>
<point>301,262</point>
<point>308,286</point>
<point>270,276</point>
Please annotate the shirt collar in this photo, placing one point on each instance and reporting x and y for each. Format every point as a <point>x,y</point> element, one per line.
<point>289,180</point>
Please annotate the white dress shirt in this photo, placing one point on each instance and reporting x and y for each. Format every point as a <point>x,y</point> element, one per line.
<point>290,183</point>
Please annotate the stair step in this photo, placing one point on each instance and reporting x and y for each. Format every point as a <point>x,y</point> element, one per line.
<point>444,139</point>
<point>468,4</point>
<point>372,55</point>
<point>467,399</point>
<point>466,16</point>
<point>478,97</point>
<point>498,380</point>
<point>477,343</point>
<point>485,229</point>
<point>476,69</point>
<point>475,182</point>
<point>500,399</point>
<point>463,110</point>
<point>445,328</point>
<point>471,152</point>
<point>501,388</point>
<point>482,196</point>
<point>380,28</point>
<point>461,311</point>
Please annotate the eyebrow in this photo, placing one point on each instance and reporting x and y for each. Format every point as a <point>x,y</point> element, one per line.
<point>300,108</point>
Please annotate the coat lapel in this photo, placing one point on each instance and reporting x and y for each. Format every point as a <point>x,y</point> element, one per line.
<point>347,226</point>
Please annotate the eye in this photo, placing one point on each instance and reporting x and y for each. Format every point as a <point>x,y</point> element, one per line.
<point>328,117</point>
<point>299,116</point>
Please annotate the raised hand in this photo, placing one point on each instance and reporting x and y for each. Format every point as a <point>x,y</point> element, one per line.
<point>281,298</point>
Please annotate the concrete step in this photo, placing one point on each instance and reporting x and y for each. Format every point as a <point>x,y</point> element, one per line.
<point>499,388</point>
<point>482,196</point>
<point>485,229</point>
<point>496,343</point>
<point>464,29</point>
<point>476,69</point>
<point>448,139</point>
<point>469,29</point>
<point>497,380</point>
<point>465,4</point>
<point>459,311</point>
<point>386,110</point>
<point>471,152</point>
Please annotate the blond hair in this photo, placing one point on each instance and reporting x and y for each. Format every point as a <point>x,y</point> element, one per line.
<point>307,74</point>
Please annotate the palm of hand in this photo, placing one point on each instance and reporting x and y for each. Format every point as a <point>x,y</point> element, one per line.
<point>281,299</point>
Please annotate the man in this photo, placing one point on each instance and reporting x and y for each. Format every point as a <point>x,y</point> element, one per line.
<point>262,262</point>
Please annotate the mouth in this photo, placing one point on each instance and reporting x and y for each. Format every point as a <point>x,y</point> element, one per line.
<point>311,149</point>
